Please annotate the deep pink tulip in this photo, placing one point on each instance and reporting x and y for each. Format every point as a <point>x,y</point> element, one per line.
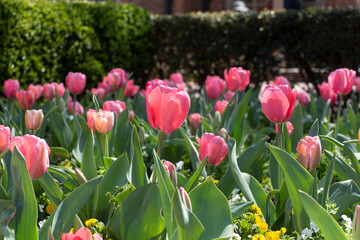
<point>114,106</point>
<point>341,80</point>
<point>171,172</point>
<point>33,119</point>
<point>194,121</point>
<point>237,78</point>
<point>50,88</point>
<point>117,77</point>
<point>81,234</point>
<point>78,107</point>
<point>11,87</point>
<point>104,121</point>
<point>281,80</point>
<point>212,146</point>
<point>278,103</point>
<point>326,93</point>
<point>309,152</point>
<point>221,106</point>
<point>166,107</point>
<point>26,99</point>
<point>75,82</point>
<point>4,138</point>
<point>289,127</point>
<point>304,98</point>
<point>35,151</point>
<point>357,84</point>
<point>131,89</point>
<point>229,95</point>
<point>99,92</point>
<point>36,89</point>
<point>214,87</point>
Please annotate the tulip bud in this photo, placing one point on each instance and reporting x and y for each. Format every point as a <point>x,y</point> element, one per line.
<point>33,119</point>
<point>80,176</point>
<point>356,224</point>
<point>142,135</point>
<point>194,121</point>
<point>171,172</point>
<point>217,120</point>
<point>212,146</point>
<point>104,121</point>
<point>116,77</point>
<point>4,138</point>
<point>229,95</point>
<point>75,82</point>
<point>223,133</point>
<point>309,152</point>
<point>26,99</point>
<point>185,198</point>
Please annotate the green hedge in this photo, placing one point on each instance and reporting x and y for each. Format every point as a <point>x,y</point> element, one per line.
<point>203,43</point>
<point>43,41</point>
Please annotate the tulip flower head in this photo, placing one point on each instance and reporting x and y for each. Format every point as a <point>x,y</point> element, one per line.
<point>4,138</point>
<point>35,151</point>
<point>356,224</point>
<point>309,152</point>
<point>36,89</point>
<point>278,103</point>
<point>220,106</point>
<point>326,93</point>
<point>26,99</point>
<point>78,107</point>
<point>50,88</point>
<point>177,80</point>
<point>114,106</point>
<point>104,121</point>
<point>11,87</point>
<point>212,146</point>
<point>357,84</point>
<point>304,98</point>
<point>116,77</point>
<point>341,80</point>
<point>75,82</point>
<point>106,85</point>
<point>281,80</point>
<point>229,95</point>
<point>166,107</point>
<point>194,121</point>
<point>171,172</point>
<point>237,79</point>
<point>33,119</point>
<point>214,87</point>
<point>131,89</point>
<point>81,234</point>
<point>99,92</point>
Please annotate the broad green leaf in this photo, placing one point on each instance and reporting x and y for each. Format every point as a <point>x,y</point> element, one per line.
<point>41,131</point>
<point>7,211</point>
<point>137,173</point>
<point>237,209</point>
<point>352,118</point>
<point>328,178</point>
<point>194,154</point>
<point>314,130</point>
<point>207,196</point>
<point>88,164</point>
<point>51,188</point>
<point>325,110</point>
<point>59,152</point>
<point>139,215</point>
<point>82,134</point>
<point>114,177</point>
<point>123,131</point>
<point>297,178</point>
<point>65,213</point>
<point>327,224</point>
<point>61,129</point>
<point>333,141</point>
<point>354,161</point>
<point>344,194</point>
<point>193,179</point>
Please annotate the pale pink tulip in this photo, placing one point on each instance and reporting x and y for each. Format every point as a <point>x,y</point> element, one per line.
<point>33,119</point>
<point>131,89</point>
<point>309,152</point>
<point>104,121</point>
<point>194,121</point>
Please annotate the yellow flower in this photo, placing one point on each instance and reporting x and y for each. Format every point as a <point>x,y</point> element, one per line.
<point>216,181</point>
<point>91,222</point>
<point>71,230</point>
<point>253,207</point>
<point>50,208</point>
<point>256,209</point>
<point>261,223</point>
<point>272,236</point>
<point>258,237</point>
<point>283,230</point>
<point>67,164</point>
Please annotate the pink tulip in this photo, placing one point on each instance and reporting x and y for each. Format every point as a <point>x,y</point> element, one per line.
<point>99,92</point>
<point>154,83</point>
<point>237,79</point>
<point>278,103</point>
<point>341,80</point>
<point>117,77</point>
<point>105,84</point>
<point>281,80</point>
<point>131,116</point>
<point>326,93</point>
<point>81,234</point>
<point>35,151</point>
<point>114,106</point>
<point>4,138</point>
<point>289,127</point>
<point>309,152</point>
<point>176,81</point>
<point>33,119</point>
<point>357,84</point>
<point>185,198</point>
<point>143,93</point>
<point>212,146</point>
<point>166,107</point>
<point>78,107</point>
<point>36,89</point>
<point>229,95</point>
<point>50,88</point>
<point>26,99</point>
<point>171,172</point>
<point>90,116</point>
<point>11,87</point>
<point>75,82</point>
<point>194,121</point>
<point>214,87</point>
<point>221,106</point>
<point>104,121</point>
<point>304,98</point>
<point>131,89</point>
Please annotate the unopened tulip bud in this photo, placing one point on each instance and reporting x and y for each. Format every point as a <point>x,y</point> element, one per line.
<point>194,121</point>
<point>80,176</point>
<point>171,172</point>
<point>309,152</point>
<point>217,119</point>
<point>356,224</point>
<point>185,198</point>
<point>223,133</point>
<point>33,119</point>
<point>142,135</point>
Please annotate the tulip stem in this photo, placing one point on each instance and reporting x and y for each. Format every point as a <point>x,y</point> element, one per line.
<point>106,146</point>
<point>161,138</point>
<point>280,145</point>
<point>338,115</point>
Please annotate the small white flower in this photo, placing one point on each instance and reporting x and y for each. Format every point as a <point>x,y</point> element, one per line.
<point>41,223</point>
<point>179,165</point>
<point>235,198</point>
<point>235,236</point>
<point>314,227</point>
<point>306,233</point>
<point>320,190</point>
